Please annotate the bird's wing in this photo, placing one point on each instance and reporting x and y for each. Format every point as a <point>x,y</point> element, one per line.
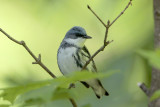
<point>86,56</point>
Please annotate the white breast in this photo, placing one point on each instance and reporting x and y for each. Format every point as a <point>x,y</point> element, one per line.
<point>66,61</point>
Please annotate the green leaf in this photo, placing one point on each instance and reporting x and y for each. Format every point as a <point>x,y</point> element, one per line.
<point>155,95</point>
<point>37,96</point>
<point>11,93</point>
<point>4,103</point>
<point>62,93</point>
<point>59,90</point>
<point>152,56</point>
<point>48,90</point>
<point>87,105</point>
<point>44,95</point>
<point>81,76</point>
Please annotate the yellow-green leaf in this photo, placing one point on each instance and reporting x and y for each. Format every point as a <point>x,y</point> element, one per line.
<point>152,56</point>
<point>155,95</point>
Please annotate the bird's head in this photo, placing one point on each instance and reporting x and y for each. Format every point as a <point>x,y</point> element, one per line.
<point>76,36</point>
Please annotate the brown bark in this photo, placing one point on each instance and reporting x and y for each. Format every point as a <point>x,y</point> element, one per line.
<point>157,22</point>
<point>155,80</point>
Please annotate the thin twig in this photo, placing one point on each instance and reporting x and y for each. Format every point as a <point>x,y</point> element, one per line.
<point>130,3</point>
<point>37,60</point>
<point>144,88</point>
<point>106,33</point>
<point>73,102</point>
<point>99,50</point>
<point>96,15</point>
<point>107,26</point>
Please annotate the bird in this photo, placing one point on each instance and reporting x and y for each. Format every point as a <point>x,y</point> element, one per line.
<point>72,56</point>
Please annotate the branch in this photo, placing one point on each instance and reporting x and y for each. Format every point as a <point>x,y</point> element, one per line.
<point>37,59</point>
<point>73,102</point>
<point>107,26</point>
<point>144,88</point>
<point>130,3</point>
<point>97,16</point>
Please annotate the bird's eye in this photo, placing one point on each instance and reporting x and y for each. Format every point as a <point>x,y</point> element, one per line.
<point>79,35</point>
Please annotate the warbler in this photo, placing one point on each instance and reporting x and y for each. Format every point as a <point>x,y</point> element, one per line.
<point>72,56</point>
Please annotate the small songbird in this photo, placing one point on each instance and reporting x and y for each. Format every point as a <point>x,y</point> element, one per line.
<point>73,54</point>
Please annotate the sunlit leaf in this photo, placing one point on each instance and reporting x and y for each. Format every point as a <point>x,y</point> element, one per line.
<point>155,95</point>
<point>4,103</point>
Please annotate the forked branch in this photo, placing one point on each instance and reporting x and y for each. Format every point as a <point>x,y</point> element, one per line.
<point>37,60</point>
<point>107,26</point>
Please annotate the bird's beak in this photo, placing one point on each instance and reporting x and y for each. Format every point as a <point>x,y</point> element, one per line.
<point>87,37</point>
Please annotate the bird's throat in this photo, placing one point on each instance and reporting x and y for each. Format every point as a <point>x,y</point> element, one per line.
<point>79,42</point>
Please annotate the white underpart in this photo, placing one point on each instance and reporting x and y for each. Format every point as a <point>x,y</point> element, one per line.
<point>66,61</point>
<point>78,42</point>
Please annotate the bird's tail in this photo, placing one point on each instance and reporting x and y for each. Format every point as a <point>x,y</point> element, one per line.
<point>97,87</point>
<point>99,90</point>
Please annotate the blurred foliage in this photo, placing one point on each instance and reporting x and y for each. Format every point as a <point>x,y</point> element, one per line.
<point>42,24</point>
<point>40,93</point>
<point>155,95</point>
<point>152,56</point>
